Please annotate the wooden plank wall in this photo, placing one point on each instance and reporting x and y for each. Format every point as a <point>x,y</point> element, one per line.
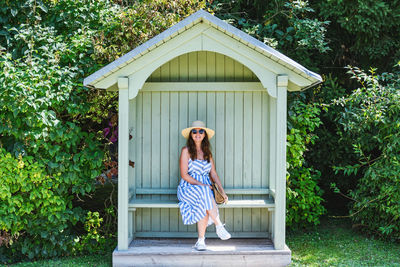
<point>240,146</point>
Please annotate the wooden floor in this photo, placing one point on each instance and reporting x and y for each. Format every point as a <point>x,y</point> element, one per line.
<point>180,252</point>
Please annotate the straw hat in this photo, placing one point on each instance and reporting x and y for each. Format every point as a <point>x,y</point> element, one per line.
<point>197,124</point>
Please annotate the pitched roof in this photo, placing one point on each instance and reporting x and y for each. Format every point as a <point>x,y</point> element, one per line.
<point>203,16</point>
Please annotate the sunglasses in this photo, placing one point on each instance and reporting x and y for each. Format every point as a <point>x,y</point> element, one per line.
<point>201,131</point>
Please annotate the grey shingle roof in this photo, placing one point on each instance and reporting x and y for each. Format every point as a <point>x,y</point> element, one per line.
<point>203,16</point>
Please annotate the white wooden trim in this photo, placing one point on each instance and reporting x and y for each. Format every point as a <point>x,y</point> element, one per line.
<point>123,164</point>
<point>236,203</point>
<point>209,235</point>
<point>256,57</point>
<point>233,191</point>
<point>266,76</point>
<point>280,193</point>
<point>272,192</point>
<point>203,86</point>
<point>272,142</point>
<point>202,37</point>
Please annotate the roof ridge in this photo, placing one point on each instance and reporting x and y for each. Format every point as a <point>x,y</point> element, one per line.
<point>201,15</point>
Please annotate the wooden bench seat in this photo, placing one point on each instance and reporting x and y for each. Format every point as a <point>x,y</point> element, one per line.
<point>251,198</point>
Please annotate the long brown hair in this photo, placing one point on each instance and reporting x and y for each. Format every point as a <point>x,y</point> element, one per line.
<point>205,147</point>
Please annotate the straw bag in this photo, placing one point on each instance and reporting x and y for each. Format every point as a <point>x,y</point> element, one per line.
<point>219,199</point>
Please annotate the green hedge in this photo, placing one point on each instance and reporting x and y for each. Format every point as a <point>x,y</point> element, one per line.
<point>372,123</point>
<point>34,209</point>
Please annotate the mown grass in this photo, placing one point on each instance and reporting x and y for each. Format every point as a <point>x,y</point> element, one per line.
<point>333,243</point>
<point>83,261</point>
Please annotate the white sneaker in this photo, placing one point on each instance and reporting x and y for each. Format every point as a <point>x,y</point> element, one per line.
<point>222,233</point>
<point>200,245</point>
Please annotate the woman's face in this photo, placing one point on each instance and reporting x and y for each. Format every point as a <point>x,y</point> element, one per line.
<point>198,135</point>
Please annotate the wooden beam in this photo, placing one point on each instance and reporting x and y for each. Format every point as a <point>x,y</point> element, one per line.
<point>236,203</point>
<point>194,234</point>
<point>123,163</point>
<point>203,86</point>
<point>232,191</point>
<point>280,187</point>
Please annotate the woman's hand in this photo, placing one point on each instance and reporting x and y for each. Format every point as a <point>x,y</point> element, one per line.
<point>225,197</point>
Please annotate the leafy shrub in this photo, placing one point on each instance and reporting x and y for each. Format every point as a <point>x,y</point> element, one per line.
<point>93,240</point>
<point>371,119</point>
<point>41,100</point>
<point>33,208</point>
<point>304,201</point>
<point>330,149</point>
<point>46,48</point>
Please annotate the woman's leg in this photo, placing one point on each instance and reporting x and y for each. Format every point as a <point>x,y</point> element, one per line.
<point>201,226</point>
<point>214,214</point>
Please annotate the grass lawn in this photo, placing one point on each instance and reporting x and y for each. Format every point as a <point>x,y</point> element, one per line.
<point>84,261</point>
<point>332,243</point>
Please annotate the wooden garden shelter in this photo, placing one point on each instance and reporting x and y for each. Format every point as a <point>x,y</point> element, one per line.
<point>202,69</point>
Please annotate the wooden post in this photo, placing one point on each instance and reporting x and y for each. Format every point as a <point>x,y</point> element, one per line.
<point>280,194</point>
<point>123,162</point>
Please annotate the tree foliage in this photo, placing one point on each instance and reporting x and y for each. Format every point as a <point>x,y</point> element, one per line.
<point>304,201</point>
<point>372,121</point>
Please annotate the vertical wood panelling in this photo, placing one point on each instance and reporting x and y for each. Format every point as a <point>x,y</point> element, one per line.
<point>174,150</point>
<point>183,123</point>
<point>184,68</point>
<point>238,77</point>
<point>139,159</point>
<point>132,142</point>
<point>156,75</point>
<point>238,159</point>
<point>220,139</point>
<point>248,75</point>
<point>256,155</point>
<point>155,155</point>
<point>229,69</point>
<point>192,107</point>
<point>146,159</point>
<point>202,66</point>
<point>174,70</point>
<point>132,157</point>
<point>210,67</point>
<point>219,67</point>
<point>192,67</point>
<point>164,151</point>
<point>240,146</point>
<point>165,72</point>
<point>265,141</point>
<point>211,117</point>
<point>229,151</point>
<point>247,153</point>
<point>202,106</point>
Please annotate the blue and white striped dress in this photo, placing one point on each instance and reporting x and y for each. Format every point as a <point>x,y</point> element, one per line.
<point>194,200</point>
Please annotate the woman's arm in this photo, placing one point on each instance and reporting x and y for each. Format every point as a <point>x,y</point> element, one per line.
<point>183,164</point>
<point>214,176</point>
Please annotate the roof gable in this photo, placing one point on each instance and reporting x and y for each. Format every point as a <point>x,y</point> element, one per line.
<point>202,16</point>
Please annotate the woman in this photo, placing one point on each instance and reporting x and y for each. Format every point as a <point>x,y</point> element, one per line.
<point>196,199</point>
